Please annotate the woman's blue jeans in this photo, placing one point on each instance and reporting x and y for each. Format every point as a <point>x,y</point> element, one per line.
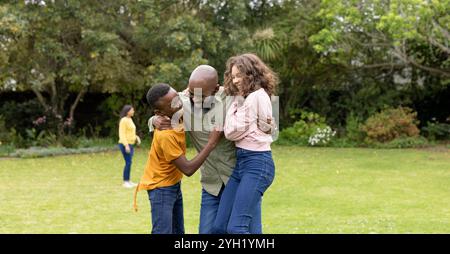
<point>128,157</point>
<point>253,174</point>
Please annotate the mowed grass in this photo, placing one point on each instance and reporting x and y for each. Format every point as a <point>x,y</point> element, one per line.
<point>316,190</point>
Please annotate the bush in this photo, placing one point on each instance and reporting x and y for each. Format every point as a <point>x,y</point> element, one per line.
<point>6,149</point>
<point>353,130</point>
<point>28,125</point>
<point>39,138</point>
<point>303,129</point>
<point>20,116</point>
<point>321,136</point>
<point>391,124</point>
<point>70,142</point>
<point>437,131</point>
<point>16,139</point>
<point>4,133</point>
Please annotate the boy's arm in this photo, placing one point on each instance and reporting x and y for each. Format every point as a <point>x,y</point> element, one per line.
<point>190,167</point>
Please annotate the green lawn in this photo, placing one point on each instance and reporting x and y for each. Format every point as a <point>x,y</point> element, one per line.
<point>316,190</point>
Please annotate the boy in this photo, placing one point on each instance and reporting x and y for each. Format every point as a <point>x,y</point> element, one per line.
<point>167,163</point>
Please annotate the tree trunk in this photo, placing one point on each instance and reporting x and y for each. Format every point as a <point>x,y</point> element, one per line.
<point>55,106</point>
<point>74,106</point>
<point>58,96</point>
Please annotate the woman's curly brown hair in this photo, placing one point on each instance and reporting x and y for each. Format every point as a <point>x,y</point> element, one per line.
<point>256,74</point>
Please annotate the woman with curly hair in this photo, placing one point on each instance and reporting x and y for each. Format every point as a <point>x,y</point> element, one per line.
<point>251,82</point>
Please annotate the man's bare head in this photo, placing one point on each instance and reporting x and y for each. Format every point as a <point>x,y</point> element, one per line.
<point>204,77</point>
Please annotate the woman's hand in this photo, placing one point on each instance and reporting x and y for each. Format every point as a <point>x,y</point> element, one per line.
<point>127,149</point>
<point>267,126</point>
<point>138,140</point>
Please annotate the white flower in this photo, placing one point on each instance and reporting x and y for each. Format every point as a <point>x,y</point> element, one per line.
<point>321,136</point>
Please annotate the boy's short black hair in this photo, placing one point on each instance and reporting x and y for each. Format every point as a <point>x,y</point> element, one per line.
<point>156,92</point>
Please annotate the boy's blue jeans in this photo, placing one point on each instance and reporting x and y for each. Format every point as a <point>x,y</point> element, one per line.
<point>208,213</point>
<point>253,174</point>
<point>167,210</point>
<point>128,157</point>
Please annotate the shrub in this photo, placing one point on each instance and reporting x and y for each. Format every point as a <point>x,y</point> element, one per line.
<point>20,115</point>
<point>4,133</point>
<point>17,139</point>
<point>391,124</point>
<point>353,130</point>
<point>39,138</point>
<point>69,141</point>
<point>6,149</point>
<point>321,136</point>
<point>303,129</point>
<point>437,131</point>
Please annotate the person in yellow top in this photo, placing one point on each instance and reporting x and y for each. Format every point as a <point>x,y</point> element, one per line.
<point>127,139</point>
<point>167,163</point>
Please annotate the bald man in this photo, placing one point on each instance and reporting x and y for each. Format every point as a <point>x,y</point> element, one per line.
<point>205,104</point>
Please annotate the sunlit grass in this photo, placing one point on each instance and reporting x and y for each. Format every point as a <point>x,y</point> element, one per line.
<point>316,190</point>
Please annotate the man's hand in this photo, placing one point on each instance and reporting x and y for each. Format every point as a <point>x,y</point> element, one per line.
<point>267,126</point>
<point>185,92</point>
<point>162,123</point>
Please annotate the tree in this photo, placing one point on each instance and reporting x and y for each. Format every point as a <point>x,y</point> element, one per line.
<point>55,48</point>
<point>387,34</point>
<point>396,50</point>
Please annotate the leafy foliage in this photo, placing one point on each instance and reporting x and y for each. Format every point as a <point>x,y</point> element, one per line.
<point>344,60</point>
<point>303,129</point>
<point>391,124</point>
<point>437,131</point>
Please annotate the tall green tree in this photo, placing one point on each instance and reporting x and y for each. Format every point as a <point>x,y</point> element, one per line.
<point>58,48</point>
<point>398,50</point>
<point>387,34</point>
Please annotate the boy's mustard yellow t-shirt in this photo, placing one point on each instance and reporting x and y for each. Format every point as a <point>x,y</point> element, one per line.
<point>167,145</point>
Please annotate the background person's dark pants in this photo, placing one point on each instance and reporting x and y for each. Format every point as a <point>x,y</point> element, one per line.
<point>128,157</point>
<point>167,210</point>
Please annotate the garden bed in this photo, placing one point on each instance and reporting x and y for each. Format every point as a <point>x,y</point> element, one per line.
<point>36,152</point>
